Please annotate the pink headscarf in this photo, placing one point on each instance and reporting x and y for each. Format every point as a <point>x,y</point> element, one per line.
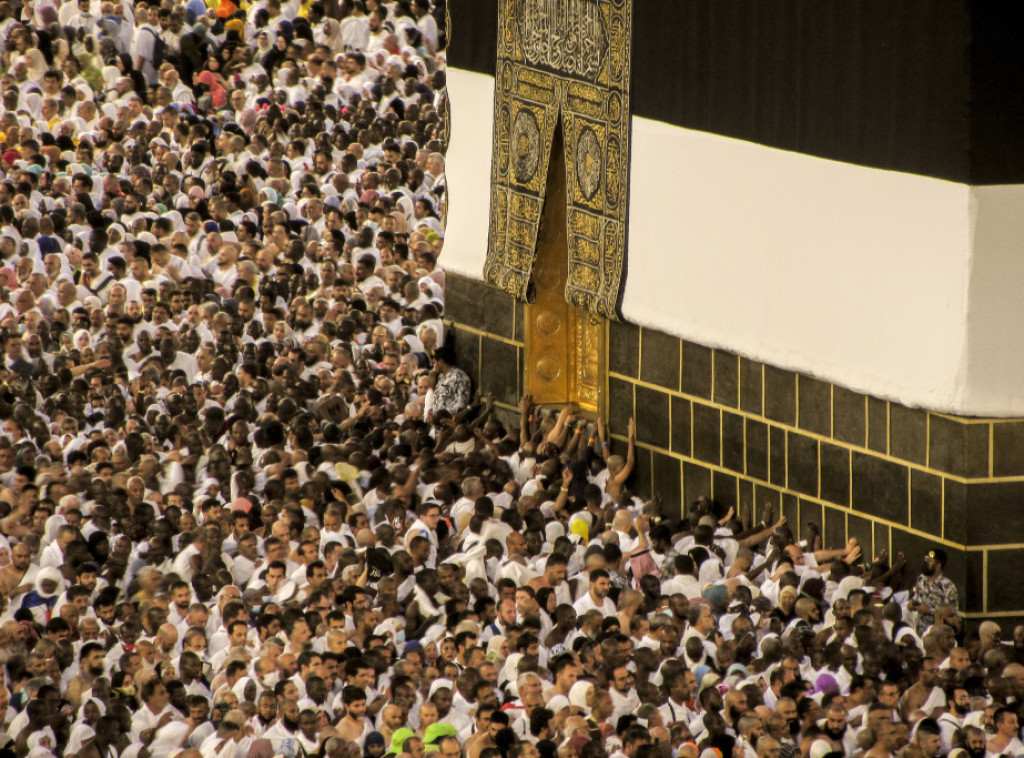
<point>217,92</point>
<point>401,222</point>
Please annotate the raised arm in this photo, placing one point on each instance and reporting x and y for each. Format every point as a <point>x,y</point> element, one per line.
<point>822,556</point>
<point>602,436</point>
<point>525,417</point>
<point>758,537</point>
<point>627,468</point>
<point>576,439</point>
<point>563,492</point>
<point>560,432</point>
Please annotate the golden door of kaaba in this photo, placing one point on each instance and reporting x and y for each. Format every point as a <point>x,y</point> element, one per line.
<point>565,345</point>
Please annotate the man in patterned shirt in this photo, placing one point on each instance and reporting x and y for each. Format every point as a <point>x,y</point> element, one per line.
<point>932,589</point>
<point>452,392</point>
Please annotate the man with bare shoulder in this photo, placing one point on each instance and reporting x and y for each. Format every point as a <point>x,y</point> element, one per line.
<point>19,577</point>
<point>354,725</point>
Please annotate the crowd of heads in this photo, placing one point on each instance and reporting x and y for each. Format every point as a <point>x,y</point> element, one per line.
<point>250,505</point>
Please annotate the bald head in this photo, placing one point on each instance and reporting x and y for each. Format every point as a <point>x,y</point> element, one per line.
<point>576,723</point>
<point>168,635</point>
<point>988,632</point>
<point>766,746</point>
<point>1014,671</point>
<point>688,750</point>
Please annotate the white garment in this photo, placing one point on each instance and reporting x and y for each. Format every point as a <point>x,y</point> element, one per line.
<point>183,563</point>
<point>587,603</point>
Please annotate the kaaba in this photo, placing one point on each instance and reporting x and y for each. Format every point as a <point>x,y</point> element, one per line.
<point>784,236</point>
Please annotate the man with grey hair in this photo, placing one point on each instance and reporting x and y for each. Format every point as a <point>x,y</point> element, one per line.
<point>472,490</point>
<point>434,174</point>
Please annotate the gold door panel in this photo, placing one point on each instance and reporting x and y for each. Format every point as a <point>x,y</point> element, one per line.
<point>565,351</point>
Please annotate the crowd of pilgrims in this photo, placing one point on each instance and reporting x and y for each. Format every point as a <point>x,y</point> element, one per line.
<point>250,506</point>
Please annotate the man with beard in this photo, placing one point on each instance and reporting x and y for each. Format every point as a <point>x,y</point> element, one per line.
<point>354,726</point>
<point>974,742</point>
<point>750,729</point>
<point>181,599</point>
<point>555,571</point>
<point>19,577</point>
<point>12,642</point>
<point>91,279</point>
<point>785,727</point>
<point>624,697</point>
<point>958,704</point>
<point>284,735</point>
<point>932,589</point>
<point>928,738</point>
<point>885,741</point>
<point>393,718</point>
<point>735,702</point>
<point>190,672</point>
<point>266,713</point>
<point>143,350</point>
<point>1006,740</point>
<point>923,694</point>
<point>173,360</point>
<point>842,739</point>
<point>105,607</point>
<point>304,326</point>
<point>90,668</point>
<point>678,706</point>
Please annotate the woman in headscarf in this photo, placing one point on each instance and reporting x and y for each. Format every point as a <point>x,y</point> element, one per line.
<point>787,603</point>
<point>40,601</point>
<point>282,332</point>
<point>431,289</point>
<point>206,83</point>
<point>23,49</point>
<point>581,697</point>
<point>264,46</point>
<point>824,684</point>
<point>42,740</point>
<point>111,74</point>
<point>330,34</point>
<point>83,339</point>
<point>84,727</point>
<point>373,745</point>
<point>401,222</point>
<point>177,222</point>
<point>217,64</point>
<point>124,66</point>
<point>33,102</point>
<point>90,64</point>
<point>275,56</point>
<point>235,30</point>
